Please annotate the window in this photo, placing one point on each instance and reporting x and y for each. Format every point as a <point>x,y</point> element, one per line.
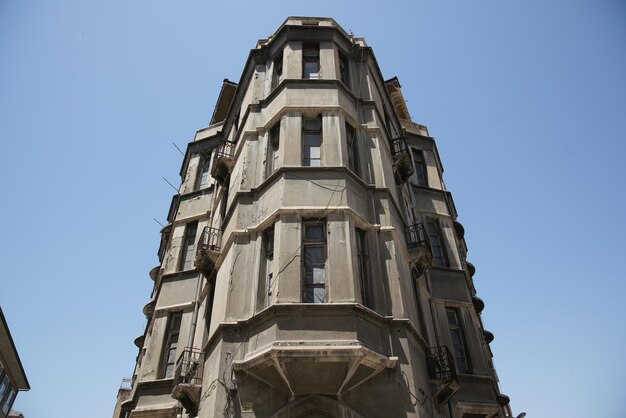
<point>353,150</point>
<point>459,347</point>
<point>314,249</point>
<point>266,270</point>
<point>363,270</point>
<point>277,71</point>
<point>5,384</point>
<point>188,247</point>
<point>203,173</point>
<point>418,302</point>
<point>344,70</point>
<point>171,344</point>
<point>420,167</point>
<point>436,244</point>
<point>310,61</point>
<point>8,400</point>
<point>273,145</point>
<point>312,142</point>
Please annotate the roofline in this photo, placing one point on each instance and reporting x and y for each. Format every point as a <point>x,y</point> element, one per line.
<point>17,356</point>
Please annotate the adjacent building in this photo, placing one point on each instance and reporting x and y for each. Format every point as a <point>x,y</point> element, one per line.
<point>12,376</point>
<point>313,264</point>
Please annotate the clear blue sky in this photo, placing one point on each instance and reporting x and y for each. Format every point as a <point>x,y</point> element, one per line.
<point>527,100</point>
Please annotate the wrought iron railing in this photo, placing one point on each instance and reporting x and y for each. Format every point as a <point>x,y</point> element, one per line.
<point>440,363</point>
<point>416,236</point>
<point>399,147</point>
<point>189,367</point>
<point>226,149</point>
<point>210,240</point>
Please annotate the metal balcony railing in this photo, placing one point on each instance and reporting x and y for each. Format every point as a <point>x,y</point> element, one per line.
<point>440,364</point>
<point>402,165</point>
<point>223,161</point>
<point>208,249</point>
<point>416,236</point>
<point>210,240</point>
<point>189,367</point>
<point>398,146</point>
<point>418,244</point>
<point>225,149</point>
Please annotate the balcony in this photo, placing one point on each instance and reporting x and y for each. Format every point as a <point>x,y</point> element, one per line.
<point>419,247</point>
<point>442,373</point>
<point>402,165</point>
<point>188,379</point>
<point>488,336</point>
<point>208,250</point>
<point>148,308</point>
<point>223,163</point>
<point>479,305</point>
<point>458,227</point>
<point>471,269</point>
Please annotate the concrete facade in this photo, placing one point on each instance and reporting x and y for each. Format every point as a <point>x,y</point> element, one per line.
<point>312,265</point>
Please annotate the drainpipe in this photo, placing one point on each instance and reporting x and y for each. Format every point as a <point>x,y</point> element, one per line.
<point>196,308</point>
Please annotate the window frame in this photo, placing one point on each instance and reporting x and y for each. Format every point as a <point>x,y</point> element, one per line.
<point>273,146</point>
<point>313,58</point>
<point>436,238</point>
<point>169,345</point>
<point>352,137</point>
<point>306,161</point>
<point>344,69</point>
<point>419,164</point>
<point>277,70</point>
<point>268,249</point>
<point>203,176</point>
<point>460,350</point>
<point>188,246</point>
<point>367,291</point>
<point>308,244</point>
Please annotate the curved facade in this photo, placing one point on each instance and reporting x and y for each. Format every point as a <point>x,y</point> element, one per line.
<point>313,265</point>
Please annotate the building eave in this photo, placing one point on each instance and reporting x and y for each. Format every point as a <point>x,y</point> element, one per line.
<point>11,357</point>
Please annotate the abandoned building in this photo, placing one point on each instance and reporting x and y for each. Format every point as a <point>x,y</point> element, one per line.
<point>313,264</point>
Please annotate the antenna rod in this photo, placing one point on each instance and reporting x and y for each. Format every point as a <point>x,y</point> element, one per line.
<point>170,184</point>
<point>181,153</point>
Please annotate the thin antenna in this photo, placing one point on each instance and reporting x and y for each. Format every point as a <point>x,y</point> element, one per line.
<point>173,187</point>
<point>181,153</point>
<point>155,220</point>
